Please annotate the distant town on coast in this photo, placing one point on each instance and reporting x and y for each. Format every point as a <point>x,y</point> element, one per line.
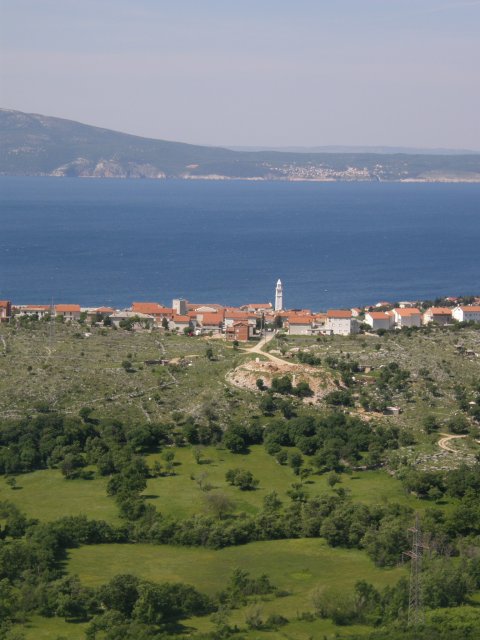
<point>40,145</point>
<point>250,320</point>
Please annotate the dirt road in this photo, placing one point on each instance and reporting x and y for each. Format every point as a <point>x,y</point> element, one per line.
<point>445,439</point>
<point>259,346</point>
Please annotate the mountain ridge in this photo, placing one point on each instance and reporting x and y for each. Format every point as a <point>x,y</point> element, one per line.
<point>35,144</point>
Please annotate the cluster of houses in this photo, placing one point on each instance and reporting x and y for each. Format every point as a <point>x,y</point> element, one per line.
<point>407,315</point>
<point>244,322</point>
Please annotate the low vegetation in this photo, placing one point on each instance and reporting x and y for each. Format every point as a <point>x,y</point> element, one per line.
<point>127,491</point>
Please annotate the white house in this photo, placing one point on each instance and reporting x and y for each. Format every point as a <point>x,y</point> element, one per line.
<point>35,310</point>
<point>340,322</point>
<point>257,307</point>
<point>181,322</point>
<point>379,320</point>
<point>300,325</point>
<point>469,313</point>
<point>210,322</point>
<point>5,310</point>
<point>68,312</point>
<point>407,317</point>
<point>439,315</point>
<point>233,316</point>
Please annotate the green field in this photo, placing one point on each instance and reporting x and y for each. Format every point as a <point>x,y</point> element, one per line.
<point>181,495</point>
<point>38,628</point>
<point>296,566</point>
<point>47,495</point>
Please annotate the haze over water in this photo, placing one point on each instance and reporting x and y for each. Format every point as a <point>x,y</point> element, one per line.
<point>333,244</point>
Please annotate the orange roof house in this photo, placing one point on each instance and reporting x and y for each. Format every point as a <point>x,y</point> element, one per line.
<point>467,313</point>
<point>379,319</point>
<point>300,319</point>
<point>179,321</point>
<point>339,313</point>
<point>152,309</point>
<point>68,311</point>
<point>5,310</point>
<point>104,310</point>
<point>440,315</point>
<point>257,307</point>
<point>67,308</point>
<point>407,317</point>
<point>300,325</point>
<point>39,310</point>
<point>340,322</point>
<point>211,319</point>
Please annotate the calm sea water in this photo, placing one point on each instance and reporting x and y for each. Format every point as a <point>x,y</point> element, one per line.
<point>111,242</point>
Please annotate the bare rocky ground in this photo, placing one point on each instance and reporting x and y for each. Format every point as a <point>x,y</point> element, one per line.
<point>246,375</point>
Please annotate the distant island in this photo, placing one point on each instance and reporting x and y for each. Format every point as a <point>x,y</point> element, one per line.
<point>37,145</point>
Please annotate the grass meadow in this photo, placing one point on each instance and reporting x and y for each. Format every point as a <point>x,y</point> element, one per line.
<point>294,566</point>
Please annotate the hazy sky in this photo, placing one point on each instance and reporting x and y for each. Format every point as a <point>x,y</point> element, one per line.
<point>250,72</point>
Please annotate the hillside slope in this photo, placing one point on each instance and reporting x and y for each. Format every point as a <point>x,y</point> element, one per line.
<point>32,144</point>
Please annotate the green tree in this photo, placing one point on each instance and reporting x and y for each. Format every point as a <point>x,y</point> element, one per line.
<point>430,423</point>
<point>121,593</point>
<point>218,504</point>
<point>197,454</point>
<point>241,478</point>
<point>295,460</point>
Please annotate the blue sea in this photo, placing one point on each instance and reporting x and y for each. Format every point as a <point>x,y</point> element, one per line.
<point>112,242</point>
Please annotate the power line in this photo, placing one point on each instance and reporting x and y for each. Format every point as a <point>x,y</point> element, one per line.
<point>416,614</point>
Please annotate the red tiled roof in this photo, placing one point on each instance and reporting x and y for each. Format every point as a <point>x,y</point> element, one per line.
<point>151,308</point>
<point>178,318</point>
<point>407,312</point>
<point>104,310</point>
<point>194,307</point>
<point>439,311</point>
<point>66,308</point>
<point>237,315</point>
<point>300,320</point>
<point>212,318</point>
<point>471,307</point>
<point>378,315</point>
<point>339,313</point>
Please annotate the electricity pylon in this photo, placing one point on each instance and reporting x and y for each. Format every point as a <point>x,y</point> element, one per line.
<point>416,614</point>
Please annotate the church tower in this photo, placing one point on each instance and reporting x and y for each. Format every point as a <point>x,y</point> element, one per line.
<point>279,296</point>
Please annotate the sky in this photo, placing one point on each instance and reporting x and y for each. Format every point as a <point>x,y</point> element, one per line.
<point>250,72</point>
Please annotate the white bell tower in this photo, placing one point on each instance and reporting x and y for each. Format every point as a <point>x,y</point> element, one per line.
<point>279,296</point>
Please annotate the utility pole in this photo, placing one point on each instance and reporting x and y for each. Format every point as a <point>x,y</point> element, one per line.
<point>416,615</point>
<point>51,327</point>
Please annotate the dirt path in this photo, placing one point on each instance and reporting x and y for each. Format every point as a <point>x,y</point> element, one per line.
<point>246,375</point>
<point>259,346</point>
<point>445,439</point>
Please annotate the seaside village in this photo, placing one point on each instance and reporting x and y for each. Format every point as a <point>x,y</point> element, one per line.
<point>252,320</point>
